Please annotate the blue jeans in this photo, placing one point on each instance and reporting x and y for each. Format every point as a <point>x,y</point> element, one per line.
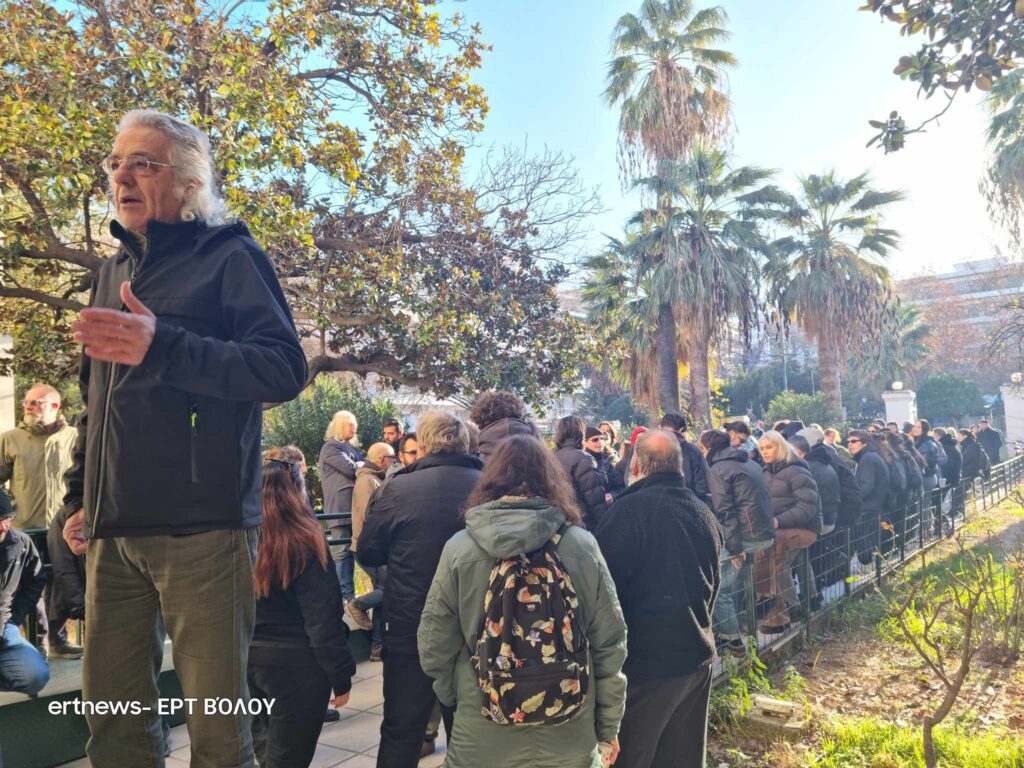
<point>22,668</point>
<point>346,563</point>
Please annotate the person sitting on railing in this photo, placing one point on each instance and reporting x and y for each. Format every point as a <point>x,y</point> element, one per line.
<point>369,478</point>
<point>22,668</point>
<point>743,507</point>
<point>873,479</point>
<point>797,520</point>
<point>975,463</point>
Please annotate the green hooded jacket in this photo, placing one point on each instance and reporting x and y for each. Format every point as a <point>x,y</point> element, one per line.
<point>35,463</point>
<point>450,626</point>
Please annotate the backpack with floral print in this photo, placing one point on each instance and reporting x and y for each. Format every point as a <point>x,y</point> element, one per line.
<point>531,657</point>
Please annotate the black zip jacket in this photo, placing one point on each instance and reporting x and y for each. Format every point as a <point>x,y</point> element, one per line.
<point>408,521</point>
<point>172,446</point>
<point>582,470</point>
<point>304,621</point>
<point>741,501</point>
<point>21,577</point>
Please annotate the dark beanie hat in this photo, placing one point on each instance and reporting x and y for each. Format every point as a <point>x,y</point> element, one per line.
<point>6,508</point>
<point>593,432</point>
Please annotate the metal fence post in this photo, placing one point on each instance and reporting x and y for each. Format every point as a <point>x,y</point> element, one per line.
<point>849,554</point>
<point>751,597</point>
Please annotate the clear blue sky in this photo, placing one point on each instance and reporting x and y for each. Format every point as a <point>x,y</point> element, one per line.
<point>811,74</point>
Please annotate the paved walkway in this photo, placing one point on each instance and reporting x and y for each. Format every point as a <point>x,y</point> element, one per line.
<point>351,742</point>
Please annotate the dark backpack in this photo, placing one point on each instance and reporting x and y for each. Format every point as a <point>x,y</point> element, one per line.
<point>850,502</point>
<point>531,658</point>
<point>897,497</point>
<point>915,478</point>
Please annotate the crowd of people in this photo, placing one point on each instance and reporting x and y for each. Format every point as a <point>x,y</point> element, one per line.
<point>552,601</point>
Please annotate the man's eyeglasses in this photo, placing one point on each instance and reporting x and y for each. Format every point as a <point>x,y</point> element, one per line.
<point>854,440</point>
<point>137,165</point>
<point>410,453</point>
<point>34,403</point>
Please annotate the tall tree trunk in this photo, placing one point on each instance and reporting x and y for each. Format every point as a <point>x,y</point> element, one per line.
<point>700,388</point>
<point>668,368</point>
<point>828,363</point>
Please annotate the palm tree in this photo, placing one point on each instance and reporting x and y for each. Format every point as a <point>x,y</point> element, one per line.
<point>901,355</point>
<point>1004,182</point>
<point>619,310</point>
<point>667,80</point>
<point>829,273</point>
<point>708,246</point>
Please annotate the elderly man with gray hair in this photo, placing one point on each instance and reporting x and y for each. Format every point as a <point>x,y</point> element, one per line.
<point>408,522</point>
<point>662,546</point>
<point>187,334</point>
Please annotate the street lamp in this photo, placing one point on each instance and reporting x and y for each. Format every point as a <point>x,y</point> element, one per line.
<point>897,386</point>
<point>1016,378</point>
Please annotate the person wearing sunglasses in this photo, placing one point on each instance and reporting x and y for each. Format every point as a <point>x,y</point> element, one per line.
<point>186,336</point>
<point>873,480</point>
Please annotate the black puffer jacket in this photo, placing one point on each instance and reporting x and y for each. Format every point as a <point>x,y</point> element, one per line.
<point>741,501</point>
<point>586,480</point>
<point>820,462</point>
<point>954,460</point>
<point>408,521</point>
<point>975,462</point>
<point>498,430</point>
<point>172,446</point>
<point>794,495</point>
<point>873,479</point>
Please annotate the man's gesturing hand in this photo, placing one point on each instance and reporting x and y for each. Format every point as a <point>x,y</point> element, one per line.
<point>117,337</point>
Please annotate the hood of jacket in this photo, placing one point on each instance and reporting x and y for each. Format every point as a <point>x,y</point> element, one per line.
<point>730,454</point>
<point>513,525</point>
<point>370,469</point>
<point>821,454</point>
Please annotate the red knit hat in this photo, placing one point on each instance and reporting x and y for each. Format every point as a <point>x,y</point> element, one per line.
<point>636,433</point>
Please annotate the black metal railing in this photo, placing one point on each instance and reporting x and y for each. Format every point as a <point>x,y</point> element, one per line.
<point>848,561</point>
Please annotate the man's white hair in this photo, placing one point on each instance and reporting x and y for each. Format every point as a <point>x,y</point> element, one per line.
<point>193,165</point>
